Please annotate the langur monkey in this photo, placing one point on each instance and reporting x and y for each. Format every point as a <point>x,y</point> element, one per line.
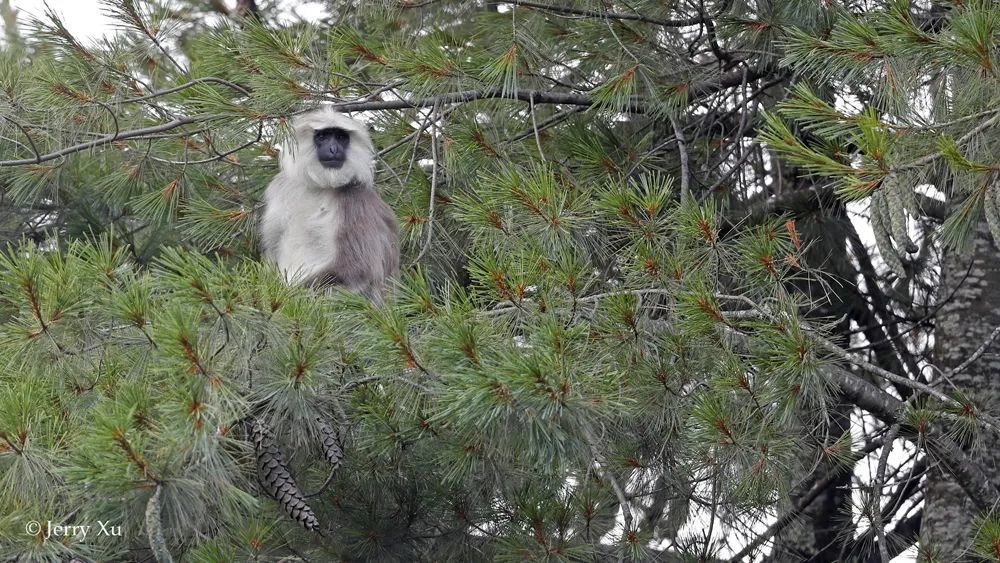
<point>323,222</point>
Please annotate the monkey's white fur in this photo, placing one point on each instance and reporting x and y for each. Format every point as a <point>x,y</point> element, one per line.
<point>302,213</point>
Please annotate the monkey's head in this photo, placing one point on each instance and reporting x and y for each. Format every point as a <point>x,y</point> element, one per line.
<point>330,150</point>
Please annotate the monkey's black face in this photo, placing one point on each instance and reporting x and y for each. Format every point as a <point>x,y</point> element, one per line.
<point>331,146</point>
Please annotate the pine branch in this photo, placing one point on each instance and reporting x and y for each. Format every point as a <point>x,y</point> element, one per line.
<point>185,86</point>
<point>989,421</point>
<point>695,90</point>
<point>120,136</point>
<point>922,161</point>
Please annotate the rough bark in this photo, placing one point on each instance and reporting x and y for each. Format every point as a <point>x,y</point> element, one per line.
<point>964,324</point>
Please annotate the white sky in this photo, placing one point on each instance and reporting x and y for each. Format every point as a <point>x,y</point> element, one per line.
<point>84,18</point>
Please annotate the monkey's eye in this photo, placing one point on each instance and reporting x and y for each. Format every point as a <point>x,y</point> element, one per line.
<point>336,134</point>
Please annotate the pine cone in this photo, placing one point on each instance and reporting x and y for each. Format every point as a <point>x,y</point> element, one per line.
<point>333,448</point>
<point>277,481</point>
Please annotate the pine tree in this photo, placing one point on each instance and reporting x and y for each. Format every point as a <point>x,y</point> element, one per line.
<point>636,318</point>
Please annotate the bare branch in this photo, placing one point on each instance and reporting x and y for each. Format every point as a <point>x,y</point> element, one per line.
<point>978,353</point>
<point>121,136</point>
<point>877,520</point>
<point>434,180</point>
<point>685,167</point>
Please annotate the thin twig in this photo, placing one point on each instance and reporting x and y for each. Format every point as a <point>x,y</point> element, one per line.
<point>434,176</point>
<point>135,16</point>
<point>379,379</point>
<point>329,479</point>
<point>877,492</point>
<point>420,129</point>
<point>502,309</point>
<point>185,86</point>
<point>534,127</point>
<point>617,488</point>
<point>977,354</point>
<point>685,170</point>
<point>546,123</point>
<point>218,155</point>
<point>121,136</point>
<point>34,148</point>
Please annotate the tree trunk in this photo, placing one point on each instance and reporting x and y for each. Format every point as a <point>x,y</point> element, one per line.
<point>818,534</point>
<point>969,316</point>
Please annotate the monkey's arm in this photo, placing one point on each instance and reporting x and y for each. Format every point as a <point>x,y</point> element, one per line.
<point>351,273</point>
<point>325,277</point>
<point>272,226</point>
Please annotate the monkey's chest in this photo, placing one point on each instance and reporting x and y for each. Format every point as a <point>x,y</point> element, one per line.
<point>310,243</point>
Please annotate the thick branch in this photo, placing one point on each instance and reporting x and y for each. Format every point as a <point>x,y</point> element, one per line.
<point>696,90</point>
<point>567,9</point>
<point>967,473</point>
